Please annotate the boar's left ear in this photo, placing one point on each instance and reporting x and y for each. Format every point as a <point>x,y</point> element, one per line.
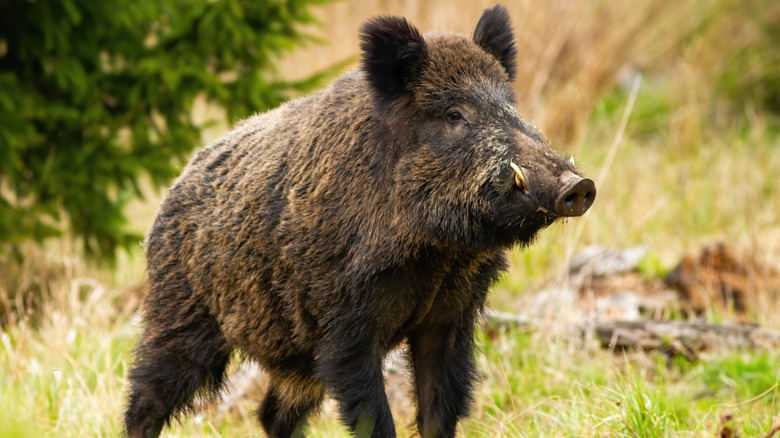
<point>494,34</point>
<point>394,54</point>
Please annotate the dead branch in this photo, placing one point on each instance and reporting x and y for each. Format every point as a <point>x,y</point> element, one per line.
<point>674,337</point>
<point>686,337</point>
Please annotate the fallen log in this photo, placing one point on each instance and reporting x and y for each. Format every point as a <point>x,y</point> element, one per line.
<point>673,337</point>
<point>686,337</point>
<point>494,320</point>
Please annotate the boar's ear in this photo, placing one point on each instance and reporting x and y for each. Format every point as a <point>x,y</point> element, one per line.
<point>494,34</point>
<point>394,54</point>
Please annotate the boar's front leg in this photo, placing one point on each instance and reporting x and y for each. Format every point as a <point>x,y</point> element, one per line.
<point>445,373</point>
<point>350,364</point>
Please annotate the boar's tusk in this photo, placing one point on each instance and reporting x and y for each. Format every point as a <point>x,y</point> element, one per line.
<point>571,160</point>
<point>520,180</point>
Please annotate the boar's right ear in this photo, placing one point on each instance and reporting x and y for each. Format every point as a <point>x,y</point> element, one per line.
<point>394,54</point>
<point>494,34</point>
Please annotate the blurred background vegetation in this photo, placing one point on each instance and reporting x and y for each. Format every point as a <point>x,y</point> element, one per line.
<point>95,96</point>
<point>101,103</point>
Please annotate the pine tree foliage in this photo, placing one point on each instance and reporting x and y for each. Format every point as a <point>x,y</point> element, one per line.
<point>96,95</point>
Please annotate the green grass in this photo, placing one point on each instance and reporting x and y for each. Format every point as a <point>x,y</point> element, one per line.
<point>67,377</point>
<point>534,385</point>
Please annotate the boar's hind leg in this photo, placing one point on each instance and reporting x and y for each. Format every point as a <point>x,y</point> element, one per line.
<point>174,360</point>
<point>444,371</point>
<point>287,405</point>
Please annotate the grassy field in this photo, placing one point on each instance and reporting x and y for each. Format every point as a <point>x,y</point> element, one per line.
<point>642,95</point>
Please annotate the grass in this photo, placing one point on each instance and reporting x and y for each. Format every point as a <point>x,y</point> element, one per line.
<point>67,376</point>
<point>67,379</point>
<point>542,387</point>
<point>689,169</point>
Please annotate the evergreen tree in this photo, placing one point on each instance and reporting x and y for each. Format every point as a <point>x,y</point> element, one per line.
<point>95,95</point>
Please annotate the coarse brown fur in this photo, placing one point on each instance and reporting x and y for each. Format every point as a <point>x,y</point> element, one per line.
<point>316,237</point>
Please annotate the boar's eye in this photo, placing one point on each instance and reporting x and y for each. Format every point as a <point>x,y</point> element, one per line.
<point>454,116</point>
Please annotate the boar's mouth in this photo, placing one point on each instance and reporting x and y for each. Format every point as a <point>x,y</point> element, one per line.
<point>520,180</point>
<point>574,197</point>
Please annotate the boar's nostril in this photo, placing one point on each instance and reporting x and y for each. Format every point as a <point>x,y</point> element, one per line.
<point>576,198</point>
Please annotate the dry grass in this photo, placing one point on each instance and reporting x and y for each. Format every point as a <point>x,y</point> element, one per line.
<point>570,52</point>
<point>64,375</point>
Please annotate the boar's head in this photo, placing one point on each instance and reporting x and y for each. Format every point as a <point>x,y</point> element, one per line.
<point>468,170</point>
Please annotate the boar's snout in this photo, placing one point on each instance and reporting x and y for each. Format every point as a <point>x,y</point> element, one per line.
<point>576,197</point>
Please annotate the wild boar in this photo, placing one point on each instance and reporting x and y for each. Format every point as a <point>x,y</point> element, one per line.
<point>318,236</point>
